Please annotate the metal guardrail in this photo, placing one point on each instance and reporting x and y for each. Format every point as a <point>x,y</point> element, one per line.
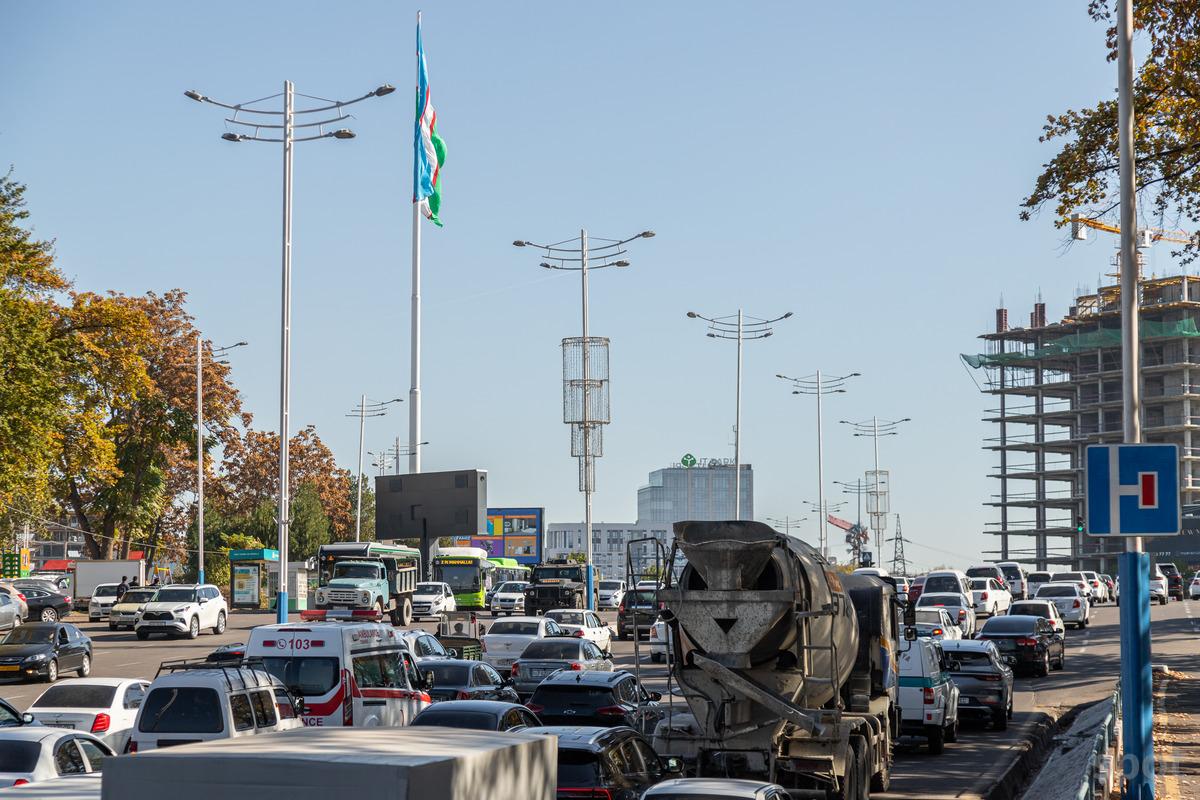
<point>1085,761</point>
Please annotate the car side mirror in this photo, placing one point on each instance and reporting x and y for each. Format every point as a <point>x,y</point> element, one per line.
<point>429,681</point>
<point>672,765</point>
<point>1010,660</point>
<point>27,718</point>
<point>482,630</point>
<point>656,696</point>
<point>910,615</point>
<point>910,633</point>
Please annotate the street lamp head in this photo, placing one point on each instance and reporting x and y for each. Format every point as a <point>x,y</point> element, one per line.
<point>692,315</point>
<point>855,375</point>
<point>546,265</point>
<point>386,89</point>
<point>518,243</point>
<point>647,234</point>
<point>621,263</point>
<point>231,137</point>
<point>193,94</point>
<point>343,133</point>
<point>712,336</point>
<point>788,314</point>
<point>794,391</point>
<point>768,333</point>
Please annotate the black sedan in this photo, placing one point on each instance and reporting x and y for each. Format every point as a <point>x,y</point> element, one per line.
<point>1032,642</point>
<point>603,699</point>
<point>613,763</point>
<point>462,679</point>
<point>44,650</point>
<point>46,605</point>
<point>477,715</point>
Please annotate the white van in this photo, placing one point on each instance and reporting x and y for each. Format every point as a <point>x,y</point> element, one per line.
<point>347,673</point>
<point>195,701</point>
<point>928,697</point>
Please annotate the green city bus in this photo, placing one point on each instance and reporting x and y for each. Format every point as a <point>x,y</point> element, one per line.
<point>507,569</point>
<point>468,572</point>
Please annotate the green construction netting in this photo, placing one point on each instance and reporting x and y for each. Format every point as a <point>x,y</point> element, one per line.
<point>1083,342</point>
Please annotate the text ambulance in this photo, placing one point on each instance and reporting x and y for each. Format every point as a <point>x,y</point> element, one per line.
<point>348,673</point>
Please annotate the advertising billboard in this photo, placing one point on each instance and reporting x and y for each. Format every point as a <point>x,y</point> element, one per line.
<point>521,530</point>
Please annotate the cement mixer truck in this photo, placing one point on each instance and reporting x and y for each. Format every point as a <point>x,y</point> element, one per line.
<point>788,667</point>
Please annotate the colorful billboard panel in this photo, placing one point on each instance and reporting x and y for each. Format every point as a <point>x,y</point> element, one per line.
<point>521,547</point>
<point>521,529</point>
<point>494,545</point>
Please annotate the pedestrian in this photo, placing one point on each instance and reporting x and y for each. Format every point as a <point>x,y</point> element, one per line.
<point>133,582</point>
<point>122,588</point>
<point>155,583</point>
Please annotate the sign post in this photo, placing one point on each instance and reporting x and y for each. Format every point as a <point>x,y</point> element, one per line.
<point>1133,490</point>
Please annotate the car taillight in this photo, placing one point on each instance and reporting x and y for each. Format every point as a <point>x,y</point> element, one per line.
<point>132,746</point>
<point>621,608</point>
<point>962,613</point>
<point>1075,604</point>
<point>983,596</point>
<point>988,677</point>
<point>1027,642</point>
<point>1095,583</point>
<point>536,708</point>
<point>516,667</point>
<point>67,599</point>
<point>576,666</point>
<point>578,634</point>
<point>101,723</point>
<point>463,695</point>
<point>20,782</point>
<point>21,596</point>
<point>611,711</point>
<point>937,631</point>
<point>927,694</point>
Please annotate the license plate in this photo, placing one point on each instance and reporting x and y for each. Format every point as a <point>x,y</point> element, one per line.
<point>9,667</point>
<point>70,725</point>
<point>538,673</point>
<point>966,701</point>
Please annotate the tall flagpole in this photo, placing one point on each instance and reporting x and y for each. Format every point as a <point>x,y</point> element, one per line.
<point>414,393</point>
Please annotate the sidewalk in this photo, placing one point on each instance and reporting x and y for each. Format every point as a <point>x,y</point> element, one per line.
<point>1177,735</point>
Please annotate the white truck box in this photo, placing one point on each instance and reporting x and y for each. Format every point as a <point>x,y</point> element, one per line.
<point>425,763</point>
<point>91,573</point>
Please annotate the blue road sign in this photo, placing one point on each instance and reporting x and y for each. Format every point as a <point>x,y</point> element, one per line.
<point>1132,490</point>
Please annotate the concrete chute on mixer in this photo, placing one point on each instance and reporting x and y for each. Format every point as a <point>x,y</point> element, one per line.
<point>785,678</point>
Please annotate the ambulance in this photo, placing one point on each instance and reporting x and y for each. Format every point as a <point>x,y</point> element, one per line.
<point>348,672</point>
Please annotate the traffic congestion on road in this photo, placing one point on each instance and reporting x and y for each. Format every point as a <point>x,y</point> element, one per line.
<point>976,658</point>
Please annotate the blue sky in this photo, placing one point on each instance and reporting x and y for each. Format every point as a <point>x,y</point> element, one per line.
<point>857,164</point>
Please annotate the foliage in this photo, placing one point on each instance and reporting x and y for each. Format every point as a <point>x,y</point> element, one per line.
<point>577,558</point>
<point>310,526</point>
<point>1083,176</point>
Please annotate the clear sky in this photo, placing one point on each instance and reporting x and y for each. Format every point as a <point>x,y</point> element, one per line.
<point>857,164</point>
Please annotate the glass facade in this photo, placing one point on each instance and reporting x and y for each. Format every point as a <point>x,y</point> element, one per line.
<point>675,494</point>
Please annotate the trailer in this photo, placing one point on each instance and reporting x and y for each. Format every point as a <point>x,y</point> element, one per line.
<point>90,573</point>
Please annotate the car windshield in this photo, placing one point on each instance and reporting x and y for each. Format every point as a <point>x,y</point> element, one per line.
<point>80,695</point>
<point>1057,591</point>
<point>176,596</point>
<point>1169,569</point>
<point>1040,577</point>
<point>138,596</point>
<point>449,674</point>
<point>557,573</point>
<point>474,720</point>
<point>514,627</point>
<point>356,571</point>
<point>970,659</point>
<point>558,693</point>
<point>567,617</point>
<point>1031,609</point>
<point>578,768</point>
<point>29,634</point>
<point>931,616</point>
<point>551,648</point>
<point>981,572</point>
<point>1009,625</point>
<point>950,601</point>
<point>511,586</point>
<point>181,709</point>
<point>1011,573</point>
<point>428,588</point>
<point>642,597</point>
<point>942,583</point>
<point>610,584</point>
<point>1068,576</point>
<point>105,590</point>
<point>307,676</point>
<point>17,756</point>
<point>979,583</point>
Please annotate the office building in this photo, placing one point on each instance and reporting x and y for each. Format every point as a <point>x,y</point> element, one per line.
<point>703,491</point>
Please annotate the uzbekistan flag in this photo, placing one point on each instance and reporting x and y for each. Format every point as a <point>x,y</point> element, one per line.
<point>429,151</point>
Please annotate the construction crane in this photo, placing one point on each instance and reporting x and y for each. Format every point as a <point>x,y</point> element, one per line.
<point>1145,236</point>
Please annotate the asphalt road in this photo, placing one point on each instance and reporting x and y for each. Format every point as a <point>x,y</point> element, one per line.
<point>966,769</point>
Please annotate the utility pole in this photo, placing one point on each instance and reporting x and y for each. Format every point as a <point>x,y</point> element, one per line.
<point>585,395</point>
<point>286,136</point>
<point>877,505</point>
<point>362,411</point>
<point>814,385</point>
<point>738,327</point>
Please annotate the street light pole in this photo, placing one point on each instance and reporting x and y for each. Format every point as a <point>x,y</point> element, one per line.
<point>820,386</point>
<point>287,137</point>
<point>737,328</point>
<point>875,427</point>
<point>362,411</point>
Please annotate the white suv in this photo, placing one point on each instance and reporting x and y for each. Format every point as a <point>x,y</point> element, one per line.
<point>183,609</point>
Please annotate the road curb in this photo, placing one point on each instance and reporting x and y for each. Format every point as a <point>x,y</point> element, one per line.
<point>1033,750</point>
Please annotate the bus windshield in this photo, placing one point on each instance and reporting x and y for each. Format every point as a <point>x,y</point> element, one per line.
<point>461,577</point>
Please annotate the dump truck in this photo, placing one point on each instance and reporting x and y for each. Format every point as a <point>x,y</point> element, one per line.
<point>788,667</point>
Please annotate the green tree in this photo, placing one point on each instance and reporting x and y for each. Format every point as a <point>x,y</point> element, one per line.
<point>310,526</point>
<point>577,558</point>
<point>1082,177</point>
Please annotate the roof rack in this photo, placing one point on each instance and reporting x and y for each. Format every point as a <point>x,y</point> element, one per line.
<point>252,666</point>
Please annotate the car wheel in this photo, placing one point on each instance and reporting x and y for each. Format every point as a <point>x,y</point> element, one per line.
<point>193,628</point>
<point>1044,668</point>
<point>1062,660</point>
<point>52,671</point>
<point>952,732</point>
<point>1000,720</point>
<point>936,737</point>
<point>219,628</point>
<point>85,666</point>
<point>143,635</point>
<point>49,615</point>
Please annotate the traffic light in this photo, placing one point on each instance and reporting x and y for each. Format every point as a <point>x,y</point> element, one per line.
<point>1079,524</point>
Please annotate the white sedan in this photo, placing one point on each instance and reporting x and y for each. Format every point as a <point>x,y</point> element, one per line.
<point>990,597</point>
<point>959,606</point>
<point>36,753</point>
<point>432,600</point>
<point>104,707</point>
<point>1194,587</point>
<point>507,638</point>
<point>583,625</point>
<point>931,620</point>
<point>508,598</point>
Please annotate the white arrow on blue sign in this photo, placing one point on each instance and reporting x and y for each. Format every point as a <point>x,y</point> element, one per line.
<point>1132,490</point>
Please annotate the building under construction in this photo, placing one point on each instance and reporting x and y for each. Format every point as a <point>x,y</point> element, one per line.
<point>1056,388</point>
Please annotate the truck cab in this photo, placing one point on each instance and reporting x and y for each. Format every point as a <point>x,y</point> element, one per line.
<point>556,584</point>
<point>355,584</point>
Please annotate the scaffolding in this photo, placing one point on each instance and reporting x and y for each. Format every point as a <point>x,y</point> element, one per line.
<point>1058,389</point>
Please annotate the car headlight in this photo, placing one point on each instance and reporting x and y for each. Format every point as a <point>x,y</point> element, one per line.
<point>36,657</point>
<point>364,597</point>
<point>321,595</point>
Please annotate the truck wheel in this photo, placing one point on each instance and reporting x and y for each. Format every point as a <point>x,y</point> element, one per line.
<point>863,778</point>
<point>405,612</point>
<point>850,783</point>
<point>952,732</point>
<point>936,736</point>
<point>882,781</point>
